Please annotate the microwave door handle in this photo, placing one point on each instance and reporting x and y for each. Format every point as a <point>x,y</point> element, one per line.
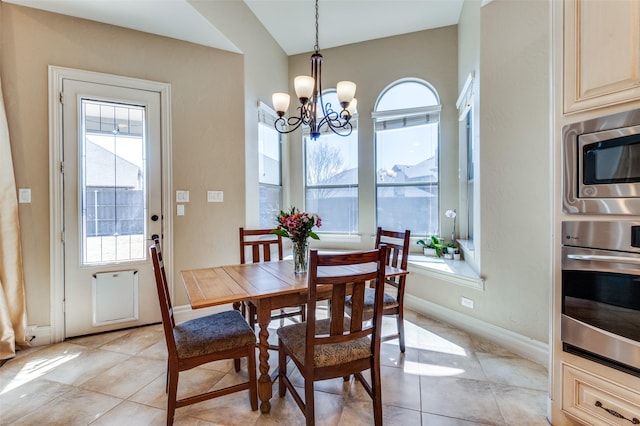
<point>601,258</point>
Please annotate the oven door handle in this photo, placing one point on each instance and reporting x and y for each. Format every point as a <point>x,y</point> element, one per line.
<point>601,258</point>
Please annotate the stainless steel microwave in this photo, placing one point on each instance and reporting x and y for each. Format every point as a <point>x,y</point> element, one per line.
<point>602,165</point>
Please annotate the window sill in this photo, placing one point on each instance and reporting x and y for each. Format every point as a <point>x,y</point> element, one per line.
<point>454,271</point>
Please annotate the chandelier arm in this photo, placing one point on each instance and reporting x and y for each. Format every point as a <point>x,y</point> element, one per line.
<point>289,125</point>
<point>313,112</point>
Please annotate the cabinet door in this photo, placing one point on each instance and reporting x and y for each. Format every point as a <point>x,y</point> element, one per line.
<point>601,53</point>
<point>597,401</point>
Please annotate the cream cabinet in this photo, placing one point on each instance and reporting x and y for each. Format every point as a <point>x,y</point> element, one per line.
<point>601,60</point>
<point>594,400</point>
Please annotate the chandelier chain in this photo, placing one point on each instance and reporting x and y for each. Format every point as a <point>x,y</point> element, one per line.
<point>313,112</point>
<point>317,46</point>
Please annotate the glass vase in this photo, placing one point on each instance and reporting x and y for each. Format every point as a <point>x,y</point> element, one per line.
<point>300,256</point>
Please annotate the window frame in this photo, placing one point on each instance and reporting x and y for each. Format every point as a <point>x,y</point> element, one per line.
<point>306,136</point>
<point>400,118</point>
<point>266,118</point>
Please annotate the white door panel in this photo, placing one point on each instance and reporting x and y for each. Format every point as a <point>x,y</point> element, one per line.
<point>112,205</point>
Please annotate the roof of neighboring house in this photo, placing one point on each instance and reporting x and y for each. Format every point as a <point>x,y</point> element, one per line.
<point>102,166</point>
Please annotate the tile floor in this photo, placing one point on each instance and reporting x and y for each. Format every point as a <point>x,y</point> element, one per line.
<point>445,378</point>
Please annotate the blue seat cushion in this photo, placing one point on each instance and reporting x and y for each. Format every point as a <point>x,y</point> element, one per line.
<point>388,300</point>
<point>212,333</point>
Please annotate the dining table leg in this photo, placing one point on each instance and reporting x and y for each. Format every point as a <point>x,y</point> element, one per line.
<point>265,390</point>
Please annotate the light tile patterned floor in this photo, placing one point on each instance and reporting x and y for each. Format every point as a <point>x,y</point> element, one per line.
<point>445,378</point>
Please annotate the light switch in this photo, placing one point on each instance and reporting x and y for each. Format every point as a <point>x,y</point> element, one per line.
<point>215,196</point>
<point>180,210</point>
<point>24,195</point>
<point>182,196</point>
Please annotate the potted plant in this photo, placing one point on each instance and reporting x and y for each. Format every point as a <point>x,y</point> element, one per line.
<point>433,246</point>
<point>449,250</point>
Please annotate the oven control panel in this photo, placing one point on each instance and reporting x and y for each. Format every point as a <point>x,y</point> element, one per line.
<point>621,235</point>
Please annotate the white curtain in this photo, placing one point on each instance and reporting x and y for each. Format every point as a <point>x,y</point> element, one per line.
<point>13,312</point>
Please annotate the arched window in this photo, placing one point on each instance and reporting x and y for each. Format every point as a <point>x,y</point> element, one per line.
<point>331,175</point>
<point>407,134</point>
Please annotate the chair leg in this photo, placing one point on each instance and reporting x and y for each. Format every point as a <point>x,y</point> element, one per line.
<point>309,402</point>
<point>253,382</point>
<point>376,388</point>
<point>252,316</point>
<point>172,395</point>
<point>303,313</point>
<point>166,385</point>
<point>400,320</point>
<point>282,371</point>
<point>236,364</point>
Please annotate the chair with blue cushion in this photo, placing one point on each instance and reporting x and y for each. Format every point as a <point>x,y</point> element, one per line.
<point>262,245</point>
<point>398,255</point>
<point>224,335</point>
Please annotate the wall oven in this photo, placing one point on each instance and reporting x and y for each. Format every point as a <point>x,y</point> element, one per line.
<point>602,165</point>
<point>601,292</point>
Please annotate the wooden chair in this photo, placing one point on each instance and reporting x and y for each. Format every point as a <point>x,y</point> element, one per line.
<point>337,346</point>
<point>225,335</point>
<point>398,253</point>
<point>263,244</point>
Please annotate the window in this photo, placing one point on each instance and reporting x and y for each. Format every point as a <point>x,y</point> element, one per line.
<point>407,133</point>
<point>469,175</point>
<point>466,162</point>
<point>113,181</point>
<point>331,169</point>
<point>269,167</point>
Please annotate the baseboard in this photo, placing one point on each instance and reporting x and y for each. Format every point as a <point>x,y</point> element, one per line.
<point>38,336</point>
<point>523,346</point>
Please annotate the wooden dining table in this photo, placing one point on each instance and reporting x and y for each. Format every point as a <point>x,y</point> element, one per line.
<point>270,285</point>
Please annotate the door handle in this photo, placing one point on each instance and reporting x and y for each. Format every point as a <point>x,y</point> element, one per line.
<point>601,258</point>
<point>155,218</point>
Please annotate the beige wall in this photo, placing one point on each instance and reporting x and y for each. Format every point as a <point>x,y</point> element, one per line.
<point>508,45</point>
<point>373,65</point>
<point>265,72</point>
<point>208,129</point>
<point>508,41</point>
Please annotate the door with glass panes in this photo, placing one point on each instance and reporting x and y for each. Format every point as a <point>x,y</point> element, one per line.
<point>112,205</point>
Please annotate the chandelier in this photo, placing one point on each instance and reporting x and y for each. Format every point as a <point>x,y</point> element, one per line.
<point>312,111</point>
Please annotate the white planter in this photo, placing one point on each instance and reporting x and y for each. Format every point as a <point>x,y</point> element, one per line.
<point>430,252</point>
<point>456,256</point>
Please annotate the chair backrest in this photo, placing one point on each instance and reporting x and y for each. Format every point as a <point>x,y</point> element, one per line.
<point>261,243</point>
<point>343,274</point>
<point>397,251</point>
<point>164,297</point>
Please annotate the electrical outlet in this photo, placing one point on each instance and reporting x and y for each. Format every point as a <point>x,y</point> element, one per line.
<point>466,302</point>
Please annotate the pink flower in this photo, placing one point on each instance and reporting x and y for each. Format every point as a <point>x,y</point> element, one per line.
<point>297,225</point>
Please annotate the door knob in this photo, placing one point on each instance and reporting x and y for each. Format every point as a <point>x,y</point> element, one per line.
<point>155,218</point>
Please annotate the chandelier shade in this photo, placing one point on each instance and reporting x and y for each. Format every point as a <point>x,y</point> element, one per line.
<point>312,111</point>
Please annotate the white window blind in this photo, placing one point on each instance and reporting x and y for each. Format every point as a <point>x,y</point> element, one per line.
<point>398,119</point>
